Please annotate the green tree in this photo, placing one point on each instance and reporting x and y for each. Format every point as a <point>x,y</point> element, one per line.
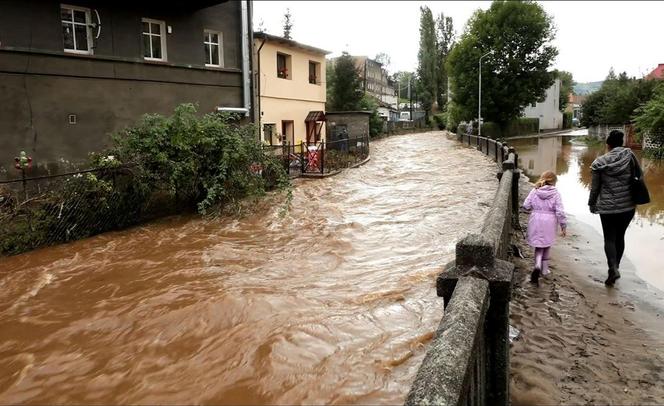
<point>445,41</point>
<point>427,58</point>
<point>518,34</point>
<point>369,103</point>
<point>288,24</point>
<point>566,88</point>
<point>649,118</point>
<point>345,86</point>
<point>617,100</point>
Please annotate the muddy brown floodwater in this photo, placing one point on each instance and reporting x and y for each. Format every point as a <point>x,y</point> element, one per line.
<point>333,302</point>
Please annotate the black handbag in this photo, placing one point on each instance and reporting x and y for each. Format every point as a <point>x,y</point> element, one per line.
<point>637,186</point>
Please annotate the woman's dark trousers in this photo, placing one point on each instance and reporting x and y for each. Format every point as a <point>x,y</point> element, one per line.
<point>614,226</point>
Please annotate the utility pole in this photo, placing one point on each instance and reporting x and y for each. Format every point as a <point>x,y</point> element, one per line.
<point>398,97</point>
<point>410,96</point>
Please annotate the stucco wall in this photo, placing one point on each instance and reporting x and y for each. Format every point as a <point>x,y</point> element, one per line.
<point>276,109</point>
<point>297,86</point>
<point>41,85</point>
<point>357,123</point>
<point>547,111</point>
<point>292,98</point>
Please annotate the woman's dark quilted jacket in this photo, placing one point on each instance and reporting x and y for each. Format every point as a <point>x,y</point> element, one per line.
<point>610,190</point>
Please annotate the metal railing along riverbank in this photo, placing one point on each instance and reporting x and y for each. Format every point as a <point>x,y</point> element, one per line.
<point>321,158</point>
<point>468,361</point>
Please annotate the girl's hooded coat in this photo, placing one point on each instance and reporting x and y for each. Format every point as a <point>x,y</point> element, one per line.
<point>547,213</point>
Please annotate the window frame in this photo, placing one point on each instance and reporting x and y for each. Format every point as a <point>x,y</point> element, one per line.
<point>162,38</point>
<point>220,44</point>
<point>287,65</point>
<point>88,31</point>
<point>317,72</point>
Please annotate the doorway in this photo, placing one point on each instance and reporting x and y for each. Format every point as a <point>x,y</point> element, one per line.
<point>287,132</point>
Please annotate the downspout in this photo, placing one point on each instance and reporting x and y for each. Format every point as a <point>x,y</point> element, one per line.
<point>246,74</point>
<point>258,91</point>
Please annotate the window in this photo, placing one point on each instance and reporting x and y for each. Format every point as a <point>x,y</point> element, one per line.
<point>76,32</point>
<point>154,40</point>
<point>283,66</point>
<point>314,73</point>
<point>214,55</point>
<point>268,131</point>
<point>534,104</point>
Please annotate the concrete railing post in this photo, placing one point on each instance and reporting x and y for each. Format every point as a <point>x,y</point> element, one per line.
<point>475,257</point>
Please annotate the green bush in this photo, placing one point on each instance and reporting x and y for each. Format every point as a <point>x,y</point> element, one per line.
<point>567,119</point>
<point>376,122</point>
<point>205,161</point>
<point>491,130</point>
<point>521,126</point>
<point>453,117</point>
<point>654,153</point>
<point>161,166</point>
<point>441,120</point>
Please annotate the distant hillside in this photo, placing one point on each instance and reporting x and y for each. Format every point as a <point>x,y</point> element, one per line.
<point>587,88</point>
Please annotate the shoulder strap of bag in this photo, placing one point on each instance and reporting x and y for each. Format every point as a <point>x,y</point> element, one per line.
<point>635,167</point>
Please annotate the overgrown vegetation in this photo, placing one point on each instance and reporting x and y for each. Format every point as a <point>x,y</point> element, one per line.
<point>376,122</point>
<point>161,166</point>
<point>567,119</point>
<point>206,161</point>
<point>649,120</point>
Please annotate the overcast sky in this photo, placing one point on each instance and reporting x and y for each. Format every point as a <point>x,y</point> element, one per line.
<point>591,36</point>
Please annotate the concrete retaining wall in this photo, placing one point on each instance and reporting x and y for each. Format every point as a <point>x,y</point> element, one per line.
<point>468,361</point>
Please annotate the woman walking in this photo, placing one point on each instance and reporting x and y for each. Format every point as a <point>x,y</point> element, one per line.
<point>611,197</point>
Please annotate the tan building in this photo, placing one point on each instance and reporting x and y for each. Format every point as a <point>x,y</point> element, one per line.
<point>291,89</point>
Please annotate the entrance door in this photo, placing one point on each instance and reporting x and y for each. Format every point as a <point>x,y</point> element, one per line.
<point>287,132</point>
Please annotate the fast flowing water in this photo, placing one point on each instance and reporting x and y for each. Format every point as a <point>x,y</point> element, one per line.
<point>644,240</point>
<point>333,302</point>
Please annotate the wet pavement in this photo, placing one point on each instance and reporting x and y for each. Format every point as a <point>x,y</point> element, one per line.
<point>571,160</point>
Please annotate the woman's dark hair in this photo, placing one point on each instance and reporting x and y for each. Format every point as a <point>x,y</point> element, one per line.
<point>615,138</point>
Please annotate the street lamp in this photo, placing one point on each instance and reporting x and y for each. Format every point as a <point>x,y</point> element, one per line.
<point>479,104</point>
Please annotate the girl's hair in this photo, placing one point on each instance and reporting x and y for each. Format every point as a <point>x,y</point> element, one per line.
<point>547,178</point>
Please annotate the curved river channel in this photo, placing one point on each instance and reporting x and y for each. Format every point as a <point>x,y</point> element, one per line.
<point>331,302</point>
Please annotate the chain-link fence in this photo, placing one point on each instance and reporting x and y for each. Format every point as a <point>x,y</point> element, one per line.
<point>46,210</point>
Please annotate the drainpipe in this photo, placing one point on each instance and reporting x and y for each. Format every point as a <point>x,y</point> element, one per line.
<point>246,74</point>
<point>258,91</point>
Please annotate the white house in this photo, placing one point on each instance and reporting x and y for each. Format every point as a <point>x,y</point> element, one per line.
<point>550,117</point>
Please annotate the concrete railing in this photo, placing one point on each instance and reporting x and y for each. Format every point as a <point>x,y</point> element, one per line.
<point>468,360</point>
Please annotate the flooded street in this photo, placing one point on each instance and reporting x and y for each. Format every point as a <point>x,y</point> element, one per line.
<point>571,160</point>
<point>333,302</point>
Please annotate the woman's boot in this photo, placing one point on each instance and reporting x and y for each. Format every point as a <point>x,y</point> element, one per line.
<point>614,275</point>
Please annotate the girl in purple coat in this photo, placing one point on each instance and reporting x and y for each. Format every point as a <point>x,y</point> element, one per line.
<point>546,214</point>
